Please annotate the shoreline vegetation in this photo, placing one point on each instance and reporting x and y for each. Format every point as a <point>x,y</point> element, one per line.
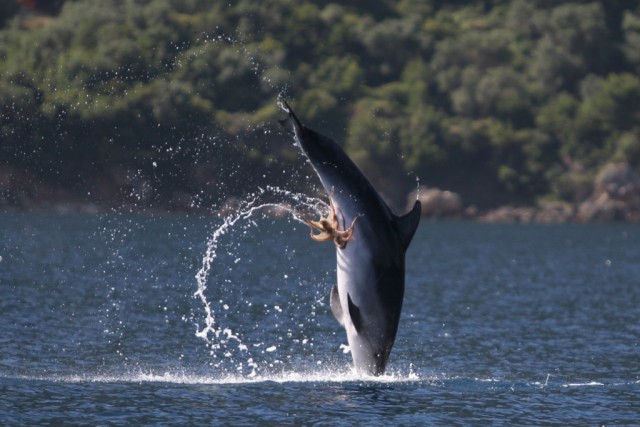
<point>615,198</point>
<point>508,111</point>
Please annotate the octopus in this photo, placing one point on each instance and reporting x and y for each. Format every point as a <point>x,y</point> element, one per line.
<point>329,228</point>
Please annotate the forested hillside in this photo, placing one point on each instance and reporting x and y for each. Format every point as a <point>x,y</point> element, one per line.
<point>174,100</point>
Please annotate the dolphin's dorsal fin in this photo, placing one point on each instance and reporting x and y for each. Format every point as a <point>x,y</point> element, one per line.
<point>336,308</point>
<point>354,313</point>
<point>407,224</point>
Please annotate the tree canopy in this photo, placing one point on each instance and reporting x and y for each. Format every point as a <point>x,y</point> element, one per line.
<point>501,101</point>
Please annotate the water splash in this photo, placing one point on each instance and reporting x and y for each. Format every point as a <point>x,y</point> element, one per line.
<point>178,377</point>
<point>223,339</point>
<point>335,376</point>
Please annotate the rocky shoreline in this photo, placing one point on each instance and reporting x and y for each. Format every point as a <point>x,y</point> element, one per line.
<point>615,197</point>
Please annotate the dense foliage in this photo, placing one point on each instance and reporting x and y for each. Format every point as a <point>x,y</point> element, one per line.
<point>498,100</point>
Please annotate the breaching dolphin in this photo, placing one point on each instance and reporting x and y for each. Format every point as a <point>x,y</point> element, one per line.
<point>370,249</point>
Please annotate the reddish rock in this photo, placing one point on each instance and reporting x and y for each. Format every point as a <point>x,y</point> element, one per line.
<point>616,195</point>
<point>509,214</point>
<point>437,203</point>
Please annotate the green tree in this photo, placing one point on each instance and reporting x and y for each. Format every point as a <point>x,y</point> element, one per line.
<point>498,100</point>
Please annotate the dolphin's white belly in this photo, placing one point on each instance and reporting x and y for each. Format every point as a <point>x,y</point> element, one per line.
<point>356,278</point>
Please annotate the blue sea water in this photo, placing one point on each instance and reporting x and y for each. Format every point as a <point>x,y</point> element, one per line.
<point>101,323</point>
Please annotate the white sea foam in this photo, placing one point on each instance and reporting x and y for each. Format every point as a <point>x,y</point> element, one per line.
<point>328,375</point>
<point>321,376</point>
<point>585,384</point>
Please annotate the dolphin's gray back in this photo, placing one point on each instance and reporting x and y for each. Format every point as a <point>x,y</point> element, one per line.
<point>349,187</point>
<point>331,162</point>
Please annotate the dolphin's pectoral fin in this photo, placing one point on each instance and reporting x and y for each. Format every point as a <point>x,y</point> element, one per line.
<point>407,224</point>
<point>336,308</point>
<point>354,313</point>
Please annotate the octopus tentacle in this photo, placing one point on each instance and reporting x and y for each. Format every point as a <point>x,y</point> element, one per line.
<point>329,227</point>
